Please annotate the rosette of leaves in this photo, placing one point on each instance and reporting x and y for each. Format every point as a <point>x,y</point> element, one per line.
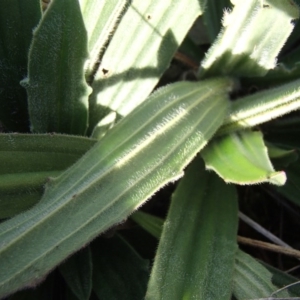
<point>87,138</point>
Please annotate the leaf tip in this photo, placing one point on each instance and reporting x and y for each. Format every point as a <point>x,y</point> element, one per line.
<point>278,178</point>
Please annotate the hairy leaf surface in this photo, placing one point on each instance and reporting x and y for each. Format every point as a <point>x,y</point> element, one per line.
<point>56,87</point>
<point>196,252</point>
<point>142,153</point>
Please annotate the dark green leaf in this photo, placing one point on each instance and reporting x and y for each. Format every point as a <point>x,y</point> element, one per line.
<point>251,279</point>
<point>24,153</point>
<point>195,257</point>
<point>282,279</point>
<point>213,15</point>
<point>291,190</point>
<point>118,272</point>
<point>77,272</point>
<point>56,87</point>
<point>17,20</point>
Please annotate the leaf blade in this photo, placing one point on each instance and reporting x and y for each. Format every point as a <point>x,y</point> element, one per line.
<point>56,87</point>
<point>242,48</point>
<point>77,272</point>
<point>14,46</point>
<point>195,257</point>
<point>242,158</point>
<point>182,119</point>
<point>129,70</point>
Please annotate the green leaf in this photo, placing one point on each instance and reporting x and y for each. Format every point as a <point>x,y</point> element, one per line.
<point>21,191</point>
<point>22,178</point>
<point>142,153</point>
<point>262,107</point>
<point>101,19</point>
<point>118,272</point>
<point>77,272</point>
<point>135,59</point>
<point>281,74</point>
<point>150,223</point>
<point>251,279</point>
<point>282,279</point>
<point>212,16</point>
<point>196,252</point>
<point>24,153</point>
<point>243,48</point>
<point>241,158</point>
<point>17,20</point>
<point>56,88</point>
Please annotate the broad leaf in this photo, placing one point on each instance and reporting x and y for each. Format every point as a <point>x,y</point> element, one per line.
<point>135,59</point>
<point>118,272</point>
<point>24,153</point>
<point>77,272</point>
<point>20,191</point>
<point>243,48</point>
<point>17,20</point>
<point>101,19</point>
<point>142,153</point>
<point>196,252</point>
<point>241,158</point>
<point>251,279</point>
<point>56,87</point>
<point>26,163</point>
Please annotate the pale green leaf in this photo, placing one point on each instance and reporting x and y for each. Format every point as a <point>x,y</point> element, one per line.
<point>135,59</point>
<point>196,252</point>
<point>262,107</point>
<point>56,87</point>
<point>241,158</point>
<point>142,153</point>
<point>101,18</point>
<point>243,48</point>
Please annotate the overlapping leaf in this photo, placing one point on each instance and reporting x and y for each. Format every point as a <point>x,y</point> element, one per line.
<point>112,179</point>
<point>17,20</point>
<point>56,87</point>
<point>243,48</point>
<point>241,158</point>
<point>195,257</point>
<point>135,59</point>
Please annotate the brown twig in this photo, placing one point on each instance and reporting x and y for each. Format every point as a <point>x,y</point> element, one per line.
<point>186,60</point>
<point>267,246</point>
